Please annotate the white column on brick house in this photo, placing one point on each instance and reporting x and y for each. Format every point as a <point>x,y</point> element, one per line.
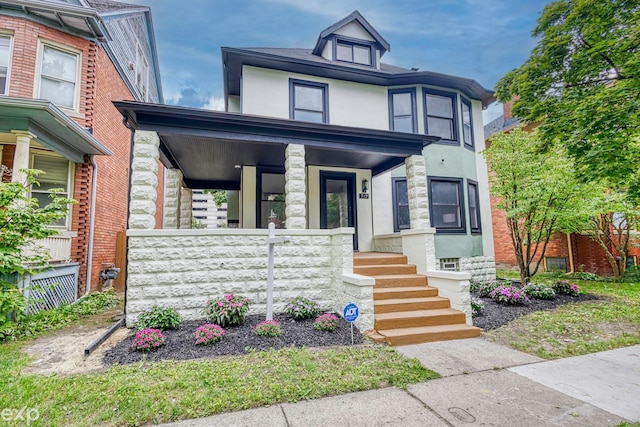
<point>171,207</point>
<point>21,155</point>
<point>295,187</point>
<point>417,192</point>
<point>144,180</point>
<point>186,206</point>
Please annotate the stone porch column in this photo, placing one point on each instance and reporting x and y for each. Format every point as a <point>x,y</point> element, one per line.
<point>295,187</point>
<point>171,208</point>
<point>417,192</point>
<point>186,205</point>
<point>21,156</point>
<point>144,180</point>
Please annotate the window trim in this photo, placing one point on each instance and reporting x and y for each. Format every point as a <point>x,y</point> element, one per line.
<point>394,195</point>
<point>414,109</point>
<point>546,258</point>
<point>70,187</point>
<point>467,102</point>
<point>477,230</point>
<point>38,75</point>
<point>454,106</point>
<point>463,225</point>
<point>338,39</point>
<point>325,97</point>
<point>7,83</point>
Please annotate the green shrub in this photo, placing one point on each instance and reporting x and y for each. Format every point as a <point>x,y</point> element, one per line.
<point>157,317</point>
<point>50,320</point>
<point>148,339</point>
<point>326,322</point>
<point>484,288</point>
<point>209,334</point>
<point>477,305</point>
<point>227,311</point>
<point>268,328</point>
<point>539,292</point>
<point>564,287</point>
<point>302,308</point>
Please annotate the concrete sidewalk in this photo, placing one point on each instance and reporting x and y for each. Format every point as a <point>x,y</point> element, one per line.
<point>483,384</point>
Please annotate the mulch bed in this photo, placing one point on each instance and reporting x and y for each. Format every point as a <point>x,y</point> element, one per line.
<point>180,344</point>
<point>495,315</point>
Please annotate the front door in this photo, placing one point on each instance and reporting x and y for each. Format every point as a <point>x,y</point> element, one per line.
<point>338,201</point>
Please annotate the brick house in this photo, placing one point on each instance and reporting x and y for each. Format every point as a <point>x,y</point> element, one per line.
<point>342,153</point>
<point>61,65</point>
<point>570,252</point>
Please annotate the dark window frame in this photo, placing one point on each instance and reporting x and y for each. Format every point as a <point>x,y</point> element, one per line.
<point>461,205</point>
<point>469,146</point>
<point>259,171</point>
<point>343,40</point>
<point>454,106</point>
<point>547,258</point>
<point>477,230</point>
<point>414,109</point>
<point>292,98</point>
<point>394,194</point>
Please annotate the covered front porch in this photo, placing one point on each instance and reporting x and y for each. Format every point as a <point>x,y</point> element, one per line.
<point>312,180</point>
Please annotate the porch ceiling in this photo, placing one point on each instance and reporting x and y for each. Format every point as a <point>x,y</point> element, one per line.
<point>207,145</point>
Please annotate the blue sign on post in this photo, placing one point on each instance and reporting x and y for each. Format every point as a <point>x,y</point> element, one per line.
<point>350,313</point>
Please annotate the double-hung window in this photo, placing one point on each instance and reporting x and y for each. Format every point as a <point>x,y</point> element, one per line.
<point>440,115</point>
<point>467,124</point>
<point>402,110</point>
<point>308,101</point>
<point>353,52</point>
<point>5,58</point>
<point>474,206</point>
<point>59,75</point>
<point>446,203</point>
<point>57,175</point>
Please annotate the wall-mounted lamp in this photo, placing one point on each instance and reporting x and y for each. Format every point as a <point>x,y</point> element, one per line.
<point>365,185</point>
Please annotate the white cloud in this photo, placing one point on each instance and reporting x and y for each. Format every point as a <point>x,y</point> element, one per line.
<point>214,103</point>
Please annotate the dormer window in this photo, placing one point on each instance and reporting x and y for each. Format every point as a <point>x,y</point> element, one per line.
<point>355,53</point>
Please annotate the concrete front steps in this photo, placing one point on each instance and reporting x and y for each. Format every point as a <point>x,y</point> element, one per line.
<point>407,310</point>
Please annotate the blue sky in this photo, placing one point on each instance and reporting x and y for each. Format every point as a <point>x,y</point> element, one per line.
<point>479,39</point>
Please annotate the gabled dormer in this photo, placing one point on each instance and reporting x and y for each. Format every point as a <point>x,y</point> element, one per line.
<point>352,40</point>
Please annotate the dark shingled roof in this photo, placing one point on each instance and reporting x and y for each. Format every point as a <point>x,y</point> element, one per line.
<point>103,6</point>
<point>307,55</point>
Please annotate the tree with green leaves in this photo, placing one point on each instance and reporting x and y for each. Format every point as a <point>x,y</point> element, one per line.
<point>22,222</point>
<point>536,192</point>
<point>581,82</point>
<point>608,218</point>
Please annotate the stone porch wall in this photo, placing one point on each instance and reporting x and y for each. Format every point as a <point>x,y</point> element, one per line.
<point>391,243</point>
<point>480,267</point>
<point>183,269</point>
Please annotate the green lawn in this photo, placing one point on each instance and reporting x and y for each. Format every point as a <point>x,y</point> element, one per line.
<point>576,329</point>
<point>145,393</point>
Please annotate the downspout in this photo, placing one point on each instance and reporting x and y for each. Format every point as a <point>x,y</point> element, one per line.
<point>571,266</point>
<point>126,124</point>
<point>92,218</point>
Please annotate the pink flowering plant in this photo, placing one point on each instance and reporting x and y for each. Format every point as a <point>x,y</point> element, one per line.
<point>148,339</point>
<point>228,310</point>
<point>509,295</point>
<point>268,328</point>
<point>209,334</point>
<point>301,308</point>
<point>326,322</point>
<point>564,287</point>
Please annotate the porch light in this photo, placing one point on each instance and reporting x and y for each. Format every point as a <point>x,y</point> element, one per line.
<point>365,185</point>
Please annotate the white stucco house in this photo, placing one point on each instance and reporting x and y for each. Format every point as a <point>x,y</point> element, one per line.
<point>345,154</point>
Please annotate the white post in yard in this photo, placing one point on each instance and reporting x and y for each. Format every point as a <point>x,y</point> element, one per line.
<point>271,240</point>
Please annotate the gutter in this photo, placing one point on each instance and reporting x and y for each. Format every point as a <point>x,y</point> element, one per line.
<point>92,218</point>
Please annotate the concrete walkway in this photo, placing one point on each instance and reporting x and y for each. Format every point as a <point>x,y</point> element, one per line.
<point>482,384</point>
